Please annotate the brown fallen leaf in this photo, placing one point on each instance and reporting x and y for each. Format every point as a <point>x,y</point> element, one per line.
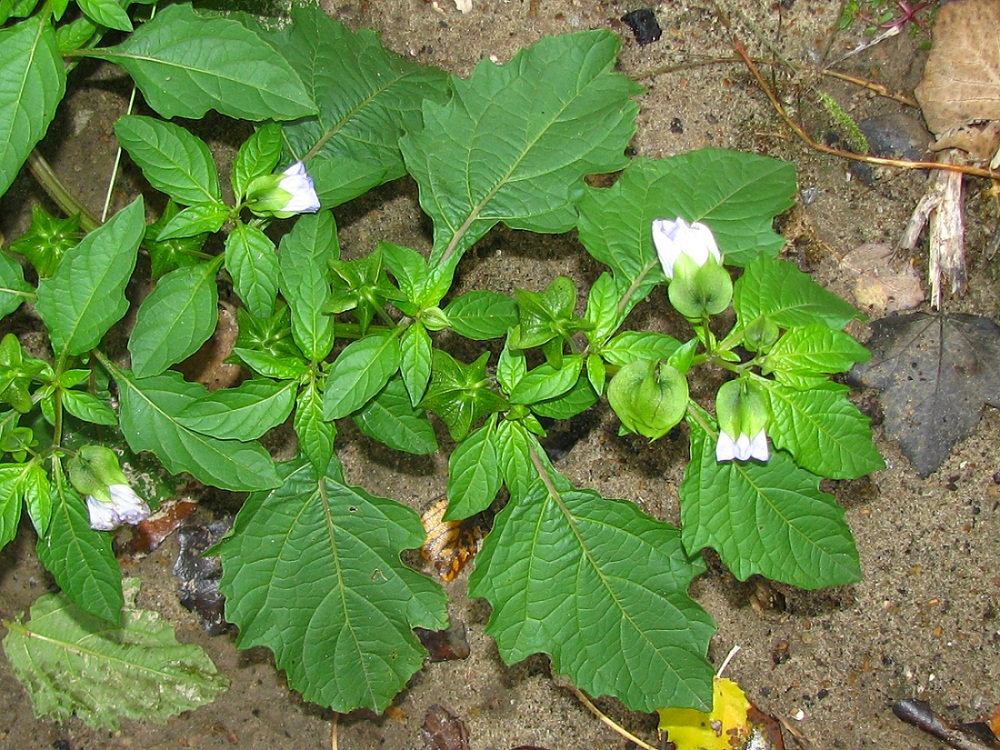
<point>450,544</point>
<point>445,645</point>
<point>883,284</point>
<point>443,730</point>
<point>149,534</point>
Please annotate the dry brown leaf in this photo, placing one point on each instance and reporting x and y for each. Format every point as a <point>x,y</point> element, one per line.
<point>961,82</point>
<point>882,284</point>
<point>450,544</point>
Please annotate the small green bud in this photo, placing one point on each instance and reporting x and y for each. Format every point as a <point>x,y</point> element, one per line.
<point>435,319</point>
<point>649,397</point>
<point>761,334</point>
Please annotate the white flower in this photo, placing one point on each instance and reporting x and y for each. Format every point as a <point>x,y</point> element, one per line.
<point>674,238</point>
<point>299,185</point>
<point>125,507</point>
<point>742,448</point>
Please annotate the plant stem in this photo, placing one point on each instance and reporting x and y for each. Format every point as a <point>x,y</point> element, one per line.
<point>55,189</point>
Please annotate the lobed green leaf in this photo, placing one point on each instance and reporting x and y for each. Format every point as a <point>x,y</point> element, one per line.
<point>601,587</point>
<point>765,518</point>
<point>825,432</point>
<point>780,291</point>
<point>312,571</point>
<point>516,140</point>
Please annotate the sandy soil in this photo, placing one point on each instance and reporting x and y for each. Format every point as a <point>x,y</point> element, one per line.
<point>923,622</point>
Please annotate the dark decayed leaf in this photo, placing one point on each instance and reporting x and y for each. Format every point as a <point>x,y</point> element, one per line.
<point>935,372</point>
<point>443,730</point>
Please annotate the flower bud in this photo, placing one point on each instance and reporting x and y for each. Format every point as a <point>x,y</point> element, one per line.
<point>760,334</point>
<point>649,397</point>
<point>674,239</point>
<point>94,472</point>
<point>742,413</point>
<point>283,195</point>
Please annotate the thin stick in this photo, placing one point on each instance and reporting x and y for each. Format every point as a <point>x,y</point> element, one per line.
<point>115,167</point>
<point>729,657</point>
<point>608,721</point>
<point>334,743</point>
<point>805,138</point>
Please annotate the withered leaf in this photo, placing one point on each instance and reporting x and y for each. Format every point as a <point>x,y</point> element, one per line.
<point>443,730</point>
<point>935,372</point>
<point>961,82</point>
<point>450,544</point>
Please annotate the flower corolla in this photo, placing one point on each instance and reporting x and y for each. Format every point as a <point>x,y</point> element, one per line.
<point>742,413</point>
<point>283,195</point>
<point>676,238</point>
<point>125,507</point>
<point>111,502</point>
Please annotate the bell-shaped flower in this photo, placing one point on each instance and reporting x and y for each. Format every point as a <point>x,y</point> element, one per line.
<point>111,502</point>
<point>283,195</point>
<point>125,507</point>
<point>674,238</point>
<point>742,413</point>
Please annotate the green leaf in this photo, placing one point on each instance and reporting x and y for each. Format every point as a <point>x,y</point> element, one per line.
<point>563,114</point>
<point>178,316</point>
<point>415,352</point>
<point>193,221</point>
<point>460,394</point>
<point>737,195</point>
<point>79,558</point>
<point>316,435</point>
<point>258,155</point>
<point>580,397</point>
<point>37,497</point>
<point>149,420</point>
<point>481,315</point>
<point>270,366</point>
<point>89,408</point>
<point>186,64</point>
<point>780,291</point>
<point>137,671</point>
<point>629,346</point>
<point>511,367</point>
<point>253,263</point>
<point>602,308</point>
<point>367,97</point>
<point>361,371</point>
<point>513,445</point>
<point>32,83</point>
<point>10,501</point>
<point>304,257</point>
<point>242,413</point>
<point>173,160</point>
<point>13,288</point>
<point>474,476</point>
<point>44,244</point>
<point>106,13</point>
<point>391,419</point>
<point>338,180</point>
<point>546,382</point>
<point>86,294</point>
<point>601,588</point>
<point>312,571</point>
<point>765,518</point>
<point>813,349</point>
<point>410,270</point>
<point>824,431</point>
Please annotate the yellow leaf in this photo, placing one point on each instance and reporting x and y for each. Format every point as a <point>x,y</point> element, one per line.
<point>725,728</point>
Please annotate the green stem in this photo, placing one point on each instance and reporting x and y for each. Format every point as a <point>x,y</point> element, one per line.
<point>58,192</point>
